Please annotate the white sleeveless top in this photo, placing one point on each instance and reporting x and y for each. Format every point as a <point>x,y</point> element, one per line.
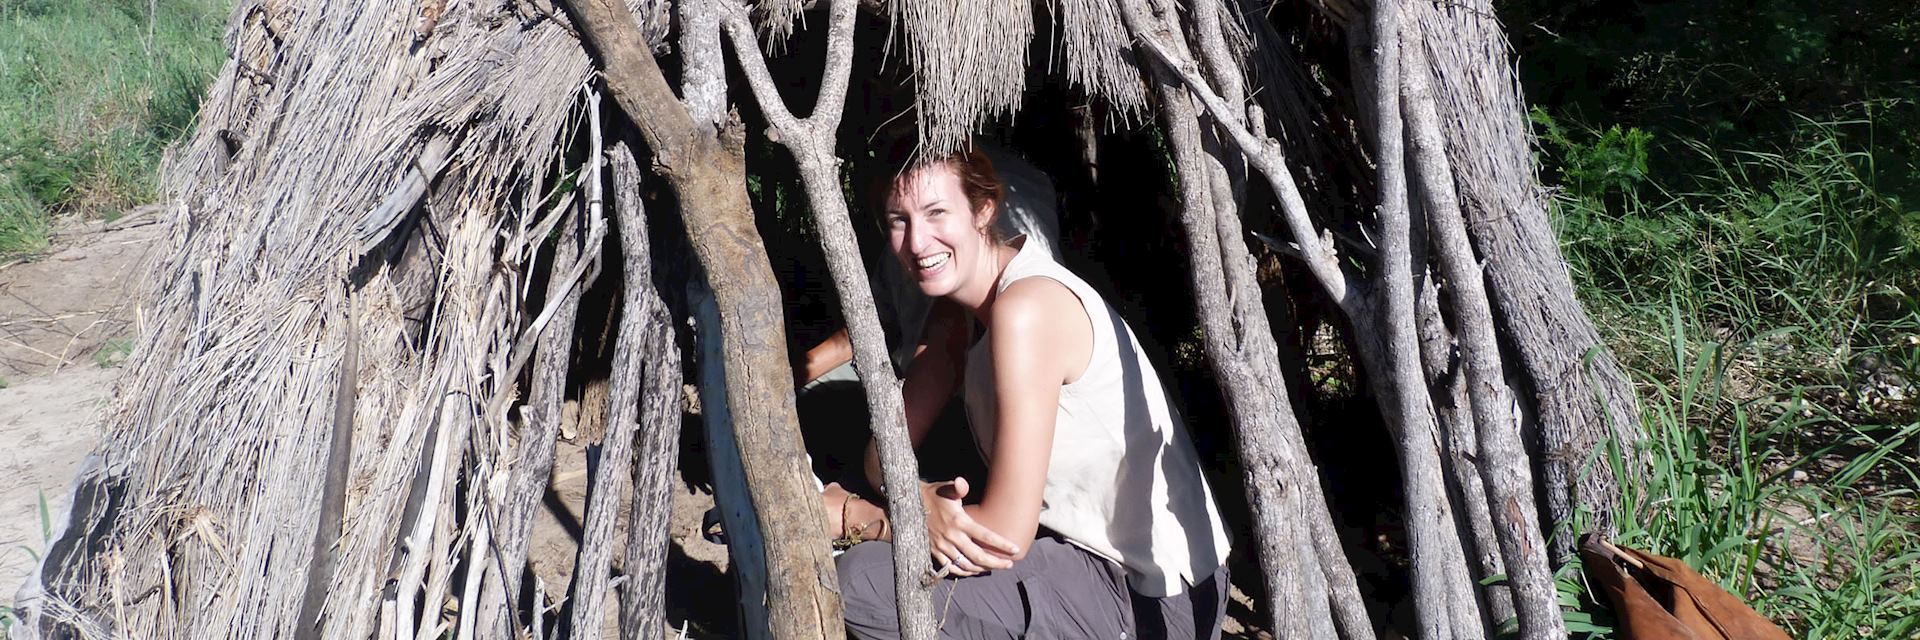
<point>1123,480</point>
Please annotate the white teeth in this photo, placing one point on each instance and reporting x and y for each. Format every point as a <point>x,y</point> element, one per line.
<point>936,260</point>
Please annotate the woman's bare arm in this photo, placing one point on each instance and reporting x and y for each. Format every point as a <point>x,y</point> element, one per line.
<point>832,352</point>
<point>1040,339</point>
<point>932,378</point>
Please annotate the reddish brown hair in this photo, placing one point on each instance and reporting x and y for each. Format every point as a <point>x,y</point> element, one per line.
<point>979,182</point>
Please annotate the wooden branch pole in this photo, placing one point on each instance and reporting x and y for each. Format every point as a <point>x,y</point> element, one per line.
<point>418,542</point>
<point>745,546</point>
<point>333,496</point>
<point>1349,612</point>
<point>1296,589</point>
<point>540,425</point>
<point>706,169</point>
<point>811,141</point>
<point>1265,154</point>
<point>1443,594</point>
<point>1579,394</point>
<point>704,81</point>
<point>657,374</point>
<point>1460,450</point>
<point>614,473</point>
<point>1289,512</point>
<point>1503,462</point>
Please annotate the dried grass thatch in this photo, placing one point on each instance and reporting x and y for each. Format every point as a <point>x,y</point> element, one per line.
<point>969,62</point>
<point>319,137</point>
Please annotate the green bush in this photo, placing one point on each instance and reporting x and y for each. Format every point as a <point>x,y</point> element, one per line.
<point>90,95</point>
<point>1815,540</point>
<point>1756,240</point>
<point>1764,303</point>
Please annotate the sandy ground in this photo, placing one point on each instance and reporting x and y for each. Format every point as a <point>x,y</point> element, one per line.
<point>66,318</point>
<point>49,425</point>
<point>696,568</point>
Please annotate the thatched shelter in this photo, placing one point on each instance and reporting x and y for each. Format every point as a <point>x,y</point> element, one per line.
<point>342,412</point>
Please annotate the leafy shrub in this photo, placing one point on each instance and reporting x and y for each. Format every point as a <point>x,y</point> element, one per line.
<point>90,95</point>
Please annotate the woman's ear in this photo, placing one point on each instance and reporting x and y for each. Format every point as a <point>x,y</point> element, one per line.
<point>985,216</point>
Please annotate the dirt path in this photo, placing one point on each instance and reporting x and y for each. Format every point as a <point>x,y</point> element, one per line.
<point>66,318</point>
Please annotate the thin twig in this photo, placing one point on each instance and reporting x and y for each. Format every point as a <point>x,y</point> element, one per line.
<point>1266,155</point>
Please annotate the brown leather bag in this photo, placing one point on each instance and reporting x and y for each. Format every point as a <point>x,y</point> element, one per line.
<point>1660,598</point>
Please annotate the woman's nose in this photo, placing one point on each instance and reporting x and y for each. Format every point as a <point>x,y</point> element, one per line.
<point>916,237</point>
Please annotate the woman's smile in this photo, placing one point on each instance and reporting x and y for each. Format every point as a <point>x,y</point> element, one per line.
<point>933,265</point>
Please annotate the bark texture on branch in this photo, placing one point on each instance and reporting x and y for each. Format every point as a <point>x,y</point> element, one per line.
<point>540,423</point>
<point>1500,459</point>
<point>610,478</point>
<point>644,393</point>
<point>657,374</point>
<point>706,169</point>
<point>1443,595</point>
<point>1460,451</point>
<point>1298,549</point>
<point>1297,594</point>
<point>811,142</point>
<point>703,72</point>
<point>1581,396</point>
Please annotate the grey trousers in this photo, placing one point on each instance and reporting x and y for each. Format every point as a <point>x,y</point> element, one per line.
<point>1059,591</point>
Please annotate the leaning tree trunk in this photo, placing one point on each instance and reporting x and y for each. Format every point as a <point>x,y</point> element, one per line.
<point>1501,465</point>
<point>1308,578</point>
<point>707,170</point>
<point>1580,398</point>
<point>811,141</point>
<point>643,597</point>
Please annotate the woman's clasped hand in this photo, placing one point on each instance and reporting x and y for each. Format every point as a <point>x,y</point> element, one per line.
<point>961,545</point>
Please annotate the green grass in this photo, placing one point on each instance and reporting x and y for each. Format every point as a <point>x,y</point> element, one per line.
<point>113,353</point>
<point>1765,305</point>
<point>7,617</point>
<point>90,95</point>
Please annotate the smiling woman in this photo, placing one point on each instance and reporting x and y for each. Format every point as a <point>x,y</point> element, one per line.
<point>1094,520</point>
<point>943,211</point>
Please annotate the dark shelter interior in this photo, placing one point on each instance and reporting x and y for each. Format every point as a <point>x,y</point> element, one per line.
<point>1117,205</point>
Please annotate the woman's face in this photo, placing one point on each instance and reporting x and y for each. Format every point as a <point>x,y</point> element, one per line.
<point>939,239</point>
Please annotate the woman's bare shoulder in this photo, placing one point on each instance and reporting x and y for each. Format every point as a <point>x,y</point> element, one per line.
<point>1041,323</point>
<point>1032,302</point>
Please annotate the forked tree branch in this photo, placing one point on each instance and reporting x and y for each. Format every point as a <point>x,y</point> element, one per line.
<point>1266,155</point>
<point>707,170</point>
<point>1349,611</point>
<point>811,141</point>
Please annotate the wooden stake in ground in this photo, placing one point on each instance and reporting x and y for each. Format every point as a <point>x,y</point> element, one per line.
<point>1282,484</point>
<point>1569,382</point>
<point>706,168</point>
<point>643,597</point>
<point>1502,460</point>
